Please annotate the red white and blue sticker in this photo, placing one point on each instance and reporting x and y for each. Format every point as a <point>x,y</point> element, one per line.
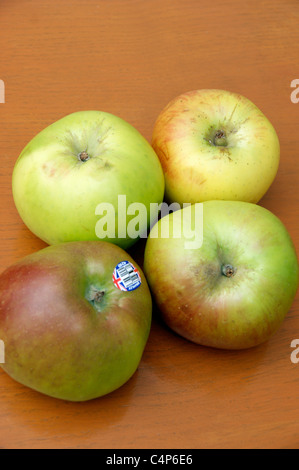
<point>126,277</point>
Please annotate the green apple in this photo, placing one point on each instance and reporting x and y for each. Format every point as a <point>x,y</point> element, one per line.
<point>74,319</point>
<point>215,144</point>
<point>78,163</point>
<point>234,290</point>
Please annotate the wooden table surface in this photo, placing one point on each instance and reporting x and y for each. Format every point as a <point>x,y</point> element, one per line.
<point>130,57</point>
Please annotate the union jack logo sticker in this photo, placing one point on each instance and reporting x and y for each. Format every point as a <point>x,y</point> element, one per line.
<point>126,277</point>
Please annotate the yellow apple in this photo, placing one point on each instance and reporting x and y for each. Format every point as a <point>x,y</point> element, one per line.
<point>215,144</point>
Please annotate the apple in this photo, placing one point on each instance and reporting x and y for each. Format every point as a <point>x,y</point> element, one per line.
<point>233,291</point>
<point>74,318</point>
<point>215,144</point>
<point>77,163</point>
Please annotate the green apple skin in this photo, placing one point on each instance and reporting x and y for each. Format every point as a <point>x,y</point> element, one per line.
<point>62,340</point>
<point>197,297</point>
<point>56,192</point>
<point>200,164</point>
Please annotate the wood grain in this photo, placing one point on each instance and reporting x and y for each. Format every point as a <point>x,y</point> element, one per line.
<point>130,57</point>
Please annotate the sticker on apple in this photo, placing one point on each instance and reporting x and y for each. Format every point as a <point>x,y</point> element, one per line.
<point>126,277</point>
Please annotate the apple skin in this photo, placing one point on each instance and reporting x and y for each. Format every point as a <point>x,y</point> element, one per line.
<point>204,305</point>
<point>56,193</point>
<point>200,167</point>
<point>58,339</point>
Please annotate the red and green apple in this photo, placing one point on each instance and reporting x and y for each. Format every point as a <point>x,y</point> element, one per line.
<point>74,319</point>
<point>233,291</point>
<point>215,144</point>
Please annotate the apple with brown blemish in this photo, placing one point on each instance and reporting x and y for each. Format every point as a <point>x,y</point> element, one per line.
<point>215,144</point>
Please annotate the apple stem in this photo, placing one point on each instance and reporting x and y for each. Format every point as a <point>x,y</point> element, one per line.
<point>83,156</point>
<point>220,138</point>
<point>98,296</point>
<point>228,270</point>
<point>95,297</point>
